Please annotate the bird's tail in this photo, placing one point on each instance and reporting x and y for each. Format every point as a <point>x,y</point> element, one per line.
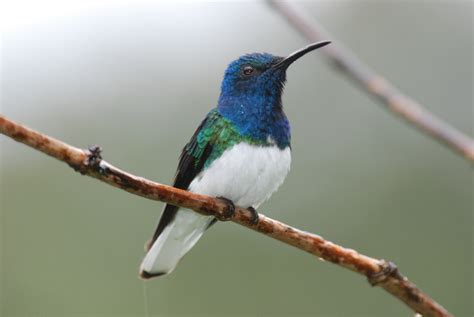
<point>176,239</point>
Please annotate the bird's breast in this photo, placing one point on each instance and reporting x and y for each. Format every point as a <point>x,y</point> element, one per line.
<point>246,174</point>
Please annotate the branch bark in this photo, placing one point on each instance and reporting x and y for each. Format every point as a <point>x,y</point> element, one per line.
<point>89,162</point>
<point>389,96</point>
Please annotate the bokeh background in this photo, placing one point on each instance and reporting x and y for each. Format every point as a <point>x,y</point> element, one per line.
<point>137,77</point>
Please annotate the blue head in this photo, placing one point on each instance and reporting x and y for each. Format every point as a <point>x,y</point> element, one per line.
<point>251,95</point>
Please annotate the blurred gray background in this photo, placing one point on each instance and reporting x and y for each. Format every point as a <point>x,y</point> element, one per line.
<point>138,77</point>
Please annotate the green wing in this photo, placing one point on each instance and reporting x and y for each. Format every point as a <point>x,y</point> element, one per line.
<point>212,137</point>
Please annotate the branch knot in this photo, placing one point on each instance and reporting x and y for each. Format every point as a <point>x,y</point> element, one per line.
<point>387,269</point>
<point>92,160</point>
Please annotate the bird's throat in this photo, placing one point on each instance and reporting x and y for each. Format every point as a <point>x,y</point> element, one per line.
<point>259,117</point>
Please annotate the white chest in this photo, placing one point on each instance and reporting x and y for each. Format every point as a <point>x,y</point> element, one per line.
<point>246,174</point>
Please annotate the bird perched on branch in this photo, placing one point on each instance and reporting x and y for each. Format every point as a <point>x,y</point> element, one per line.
<point>240,153</point>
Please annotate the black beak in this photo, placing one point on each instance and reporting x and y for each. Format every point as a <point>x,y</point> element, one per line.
<point>295,55</point>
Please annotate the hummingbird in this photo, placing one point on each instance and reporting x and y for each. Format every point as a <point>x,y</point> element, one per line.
<point>240,153</point>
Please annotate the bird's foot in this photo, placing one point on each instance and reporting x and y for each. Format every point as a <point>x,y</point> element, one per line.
<point>229,210</point>
<point>254,213</point>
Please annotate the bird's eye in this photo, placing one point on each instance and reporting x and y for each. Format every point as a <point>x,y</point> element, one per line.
<point>248,70</point>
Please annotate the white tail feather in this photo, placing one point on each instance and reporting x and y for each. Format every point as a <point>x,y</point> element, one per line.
<point>174,242</point>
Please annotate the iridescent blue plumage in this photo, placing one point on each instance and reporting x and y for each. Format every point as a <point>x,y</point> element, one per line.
<point>253,102</point>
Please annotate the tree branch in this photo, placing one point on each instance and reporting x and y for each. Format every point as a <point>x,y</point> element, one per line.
<point>389,96</point>
<point>90,163</point>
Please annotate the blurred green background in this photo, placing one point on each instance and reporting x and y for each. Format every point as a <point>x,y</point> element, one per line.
<point>138,77</point>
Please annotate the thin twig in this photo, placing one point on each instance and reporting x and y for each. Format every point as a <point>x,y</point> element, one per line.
<point>376,85</point>
<point>89,162</point>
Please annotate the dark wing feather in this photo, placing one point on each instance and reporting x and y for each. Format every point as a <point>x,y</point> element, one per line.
<point>189,166</point>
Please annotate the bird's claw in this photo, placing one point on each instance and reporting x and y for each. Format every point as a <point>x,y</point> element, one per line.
<point>254,213</point>
<point>229,210</point>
